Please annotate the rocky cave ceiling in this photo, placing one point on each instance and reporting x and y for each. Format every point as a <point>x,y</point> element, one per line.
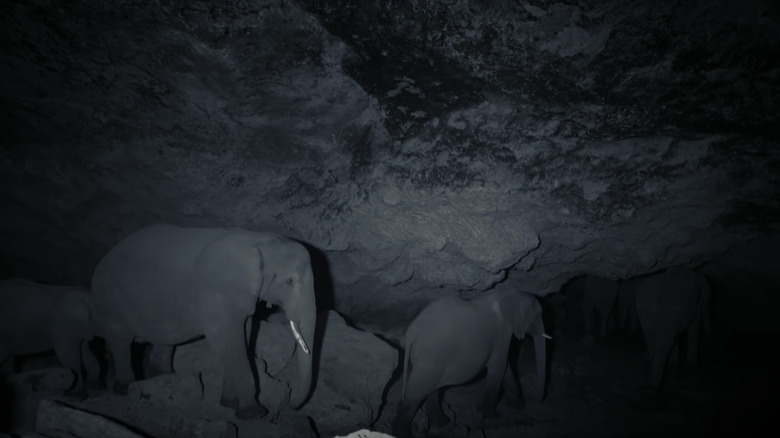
<point>423,147</point>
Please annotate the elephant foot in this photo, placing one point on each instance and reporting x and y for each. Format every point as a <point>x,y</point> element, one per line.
<point>121,388</point>
<point>489,414</point>
<point>231,403</point>
<point>446,430</point>
<point>77,394</point>
<point>516,403</point>
<point>96,385</point>
<point>154,371</point>
<point>251,412</point>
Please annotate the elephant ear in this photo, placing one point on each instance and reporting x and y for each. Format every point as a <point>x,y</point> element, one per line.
<point>527,315</point>
<point>231,265</point>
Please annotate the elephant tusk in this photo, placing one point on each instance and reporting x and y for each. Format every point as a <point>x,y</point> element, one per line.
<point>299,338</point>
<point>546,336</point>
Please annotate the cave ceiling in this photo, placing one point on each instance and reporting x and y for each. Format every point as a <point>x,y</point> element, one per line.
<point>424,147</point>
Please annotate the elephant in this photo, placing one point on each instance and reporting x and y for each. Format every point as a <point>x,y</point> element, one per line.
<point>166,285</point>
<point>669,304</point>
<point>599,295</point>
<point>36,317</point>
<point>452,340</point>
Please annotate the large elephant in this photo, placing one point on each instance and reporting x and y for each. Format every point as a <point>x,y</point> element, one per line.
<point>599,295</point>
<point>166,285</point>
<point>37,317</point>
<point>452,340</point>
<point>668,305</point>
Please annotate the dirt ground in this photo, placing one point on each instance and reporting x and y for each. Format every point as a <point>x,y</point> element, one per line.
<point>594,390</point>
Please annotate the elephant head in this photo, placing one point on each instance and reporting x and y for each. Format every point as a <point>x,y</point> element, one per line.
<point>289,283</point>
<point>279,269</point>
<point>525,314</point>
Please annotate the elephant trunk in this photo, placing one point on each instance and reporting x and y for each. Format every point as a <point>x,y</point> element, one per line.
<point>303,318</point>
<point>540,348</point>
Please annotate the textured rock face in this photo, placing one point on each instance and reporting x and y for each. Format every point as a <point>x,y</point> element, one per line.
<point>426,148</point>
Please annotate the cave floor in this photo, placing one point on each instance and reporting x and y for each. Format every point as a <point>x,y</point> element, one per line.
<point>594,390</point>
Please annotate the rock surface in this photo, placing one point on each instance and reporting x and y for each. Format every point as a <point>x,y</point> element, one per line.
<point>57,420</point>
<point>422,146</point>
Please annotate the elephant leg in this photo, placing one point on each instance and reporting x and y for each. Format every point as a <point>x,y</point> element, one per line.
<point>587,320</point>
<point>122,360</point>
<point>68,351</point>
<point>160,360</point>
<point>92,366</point>
<point>436,416</point>
<point>692,344</point>
<point>660,353</point>
<point>423,380</point>
<point>224,330</point>
<point>402,424</point>
<point>603,322</point>
<point>495,374</point>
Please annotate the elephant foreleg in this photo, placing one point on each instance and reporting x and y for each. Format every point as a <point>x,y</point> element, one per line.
<point>68,352</point>
<point>496,369</point>
<point>692,344</point>
<point>92,366</point>
<point>661,350</point>
<point>402,424</point>
<point>436,416</point>
<point>160,360</point>
<point>587,320</point>
<point>224,330</point>
<point>121,352</point>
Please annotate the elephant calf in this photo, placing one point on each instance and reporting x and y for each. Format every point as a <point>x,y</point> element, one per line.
<point>452,340</point>
<point>668,305</point>
<point>36,317</point>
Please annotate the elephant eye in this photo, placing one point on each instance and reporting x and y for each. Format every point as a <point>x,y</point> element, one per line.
<point>289,281</point>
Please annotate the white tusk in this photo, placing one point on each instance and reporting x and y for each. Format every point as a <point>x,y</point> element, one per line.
<point>546,336</point>
<point>299,338</point>
<point>268,305</point>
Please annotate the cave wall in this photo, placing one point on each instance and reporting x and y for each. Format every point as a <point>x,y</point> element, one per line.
<point>426,148</point>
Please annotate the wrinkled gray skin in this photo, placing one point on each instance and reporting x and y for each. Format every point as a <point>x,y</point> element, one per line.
<point>36,317</point>
<point>452,340</point>
<point>670,304</point>
<point>167,285</point>
<point>599,296</point>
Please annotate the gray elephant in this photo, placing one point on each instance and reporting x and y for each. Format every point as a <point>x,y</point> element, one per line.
<point>166,285</point>
<point>668,305</point>
<point>37,317</point>
<point>452,340</point>
<point>599,295</point>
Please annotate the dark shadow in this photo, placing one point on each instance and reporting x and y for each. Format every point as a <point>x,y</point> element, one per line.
<point>7,413</point>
